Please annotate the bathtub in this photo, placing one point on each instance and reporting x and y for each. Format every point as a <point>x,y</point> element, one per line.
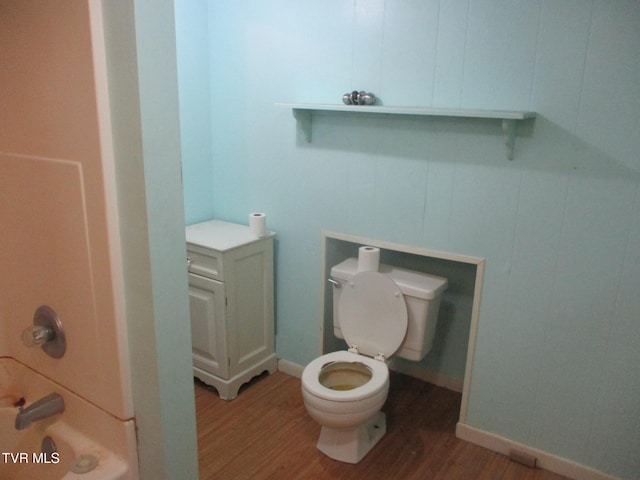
<point>85,437</point>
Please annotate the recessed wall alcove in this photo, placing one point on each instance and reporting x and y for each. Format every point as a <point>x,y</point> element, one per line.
<point>448,364</point>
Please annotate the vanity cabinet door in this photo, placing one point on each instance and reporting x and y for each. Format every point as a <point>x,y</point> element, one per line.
<point>249,288</point>
<point>208,330</point>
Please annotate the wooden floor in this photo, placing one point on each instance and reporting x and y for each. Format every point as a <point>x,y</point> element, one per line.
<point>265,433</point>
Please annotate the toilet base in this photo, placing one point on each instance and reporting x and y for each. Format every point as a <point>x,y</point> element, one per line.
<point>351,446</point>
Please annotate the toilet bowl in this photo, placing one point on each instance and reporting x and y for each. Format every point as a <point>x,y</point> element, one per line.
<point>350,416</point>
<point>343,389</point>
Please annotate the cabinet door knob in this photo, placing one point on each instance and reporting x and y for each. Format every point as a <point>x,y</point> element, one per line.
<point>189,262</point>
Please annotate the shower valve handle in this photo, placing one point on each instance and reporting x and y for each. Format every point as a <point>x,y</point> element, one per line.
<point>35,336</point>
<point>46,332</point>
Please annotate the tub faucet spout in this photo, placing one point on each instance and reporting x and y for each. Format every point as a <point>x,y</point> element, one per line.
<point>44,408</point>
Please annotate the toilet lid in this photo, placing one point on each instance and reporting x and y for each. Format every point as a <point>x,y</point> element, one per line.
<point>373,314</point>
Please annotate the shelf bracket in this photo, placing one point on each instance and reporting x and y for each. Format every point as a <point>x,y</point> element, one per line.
<point>303,122</point>
<point>509,132</point>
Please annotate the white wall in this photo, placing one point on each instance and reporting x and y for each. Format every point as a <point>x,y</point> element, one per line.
<point>58,246</point>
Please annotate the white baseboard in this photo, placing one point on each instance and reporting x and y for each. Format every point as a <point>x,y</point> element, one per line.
<point>545,460</point>
<point>290,368</point>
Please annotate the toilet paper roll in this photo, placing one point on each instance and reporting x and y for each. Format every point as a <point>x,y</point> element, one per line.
<point>258,224</point>
<point>368,259</point>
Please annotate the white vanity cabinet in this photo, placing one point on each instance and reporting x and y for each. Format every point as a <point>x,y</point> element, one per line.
<point>231,301</point>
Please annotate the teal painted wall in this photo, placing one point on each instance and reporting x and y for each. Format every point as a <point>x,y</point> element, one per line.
<point>192,42</point>
<point>557,353</point>
<point>141,67</point>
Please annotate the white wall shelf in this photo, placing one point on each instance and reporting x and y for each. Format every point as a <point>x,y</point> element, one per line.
<point>303,113</point>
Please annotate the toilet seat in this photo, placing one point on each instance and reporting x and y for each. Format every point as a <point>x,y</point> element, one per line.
<point>374,324</point>
<point>373,315</point>
<point>311,377</point>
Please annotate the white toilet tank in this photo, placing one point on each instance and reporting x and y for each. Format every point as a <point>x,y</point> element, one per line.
<point>422,293</point>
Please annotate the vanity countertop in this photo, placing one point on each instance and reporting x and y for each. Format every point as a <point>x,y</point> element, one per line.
<point>221,236</point>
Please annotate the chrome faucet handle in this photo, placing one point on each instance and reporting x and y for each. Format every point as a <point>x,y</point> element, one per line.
<point>46,333</point>
<point>35,336</point>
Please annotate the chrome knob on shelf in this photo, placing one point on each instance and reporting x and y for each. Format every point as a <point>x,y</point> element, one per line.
<point>359,98</point>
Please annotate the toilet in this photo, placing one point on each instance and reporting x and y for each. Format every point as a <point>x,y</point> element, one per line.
<point>379,314</point>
